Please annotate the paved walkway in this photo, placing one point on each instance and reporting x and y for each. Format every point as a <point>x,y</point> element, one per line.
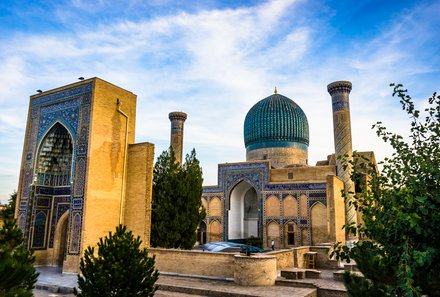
<point>159,293</point>
<point>228,288</point>
<point>51,278</point>
<point>325,281</point>
<point>54,281</point>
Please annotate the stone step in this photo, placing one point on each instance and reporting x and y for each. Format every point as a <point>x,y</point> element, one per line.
<point>313,273</point>
<point>350,267</point>
<point>293,273</point>
<point>298,273</point>
<point>339,275</point>
<point>229,288</point>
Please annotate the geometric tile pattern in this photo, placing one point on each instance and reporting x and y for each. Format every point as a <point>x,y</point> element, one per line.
<point>71,108</point>
<point>257,175</point>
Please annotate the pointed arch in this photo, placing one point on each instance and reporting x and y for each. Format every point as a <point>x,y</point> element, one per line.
<point>272,206</point>
<point>290,206</point>
<point>60,239</point>
<point>290,233</point>
<point>201,233</point>
<point>39,236</point>
<point>318,217</point>
<point>273,233</point>
<point>215,207</point>
<point>237,183</point>
<point>303,205</point>
<point>215,231</point>
<point>53,164</point>
<point>61,122</point>
<point>243,211</point>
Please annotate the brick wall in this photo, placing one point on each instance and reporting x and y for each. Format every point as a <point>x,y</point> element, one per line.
<point>194,262</point>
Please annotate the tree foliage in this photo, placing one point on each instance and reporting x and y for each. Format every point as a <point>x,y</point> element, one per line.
<point>8,212</point>
<point>400,253</point>
<point>177,207</point>
<point>17,273</point>
<point>120,268</point>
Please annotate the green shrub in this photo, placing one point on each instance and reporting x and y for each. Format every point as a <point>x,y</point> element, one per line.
<point>120,268</point>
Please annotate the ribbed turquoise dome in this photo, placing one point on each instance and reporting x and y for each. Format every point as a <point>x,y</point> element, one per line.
<point>276,121</point>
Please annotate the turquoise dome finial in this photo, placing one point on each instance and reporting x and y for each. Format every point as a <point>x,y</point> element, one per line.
<point>276,121</point>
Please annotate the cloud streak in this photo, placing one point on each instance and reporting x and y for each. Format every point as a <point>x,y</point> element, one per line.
<point>214,64</point>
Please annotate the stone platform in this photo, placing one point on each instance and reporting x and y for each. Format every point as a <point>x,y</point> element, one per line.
<point>51,279</point>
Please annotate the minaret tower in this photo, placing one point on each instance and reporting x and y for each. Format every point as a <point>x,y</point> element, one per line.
<point>177,119</point>
<point>339,91</point>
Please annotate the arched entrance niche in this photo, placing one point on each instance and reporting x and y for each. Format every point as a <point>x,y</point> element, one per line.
<point>60,240</point>
<point>52,188</point>
<point>201,233</point>
<point>243,212</point>
<point>54,162</point>
<point>318,215</point>
<point>215,231</point>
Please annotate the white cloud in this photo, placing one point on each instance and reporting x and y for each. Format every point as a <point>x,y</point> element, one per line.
<point>214,65</point>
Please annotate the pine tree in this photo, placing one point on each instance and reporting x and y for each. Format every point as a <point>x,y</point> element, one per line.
<point>8,212</point>
<point>17,273</point>
<point>400,253</point>
<point>177,206</point>
<point>120,268</point>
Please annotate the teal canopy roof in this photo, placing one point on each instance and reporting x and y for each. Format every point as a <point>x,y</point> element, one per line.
<point>276,121</point>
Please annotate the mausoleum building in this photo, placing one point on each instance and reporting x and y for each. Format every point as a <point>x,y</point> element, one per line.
<point>276,195</point>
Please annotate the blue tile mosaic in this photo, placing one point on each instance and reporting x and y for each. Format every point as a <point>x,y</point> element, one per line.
<point>63,95</point>
<point>276,121</point>
<point>70,107</point>
<point>257,175</point>
<point>39,230</point>
<point>69,118</point>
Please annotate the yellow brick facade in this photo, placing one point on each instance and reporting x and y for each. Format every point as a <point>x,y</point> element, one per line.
<point>117,174</point>
<point>105,187</point>
<point>300,205</point>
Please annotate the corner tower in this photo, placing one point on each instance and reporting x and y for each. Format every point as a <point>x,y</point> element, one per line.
<point>340,91</point>
<point>177,119</point>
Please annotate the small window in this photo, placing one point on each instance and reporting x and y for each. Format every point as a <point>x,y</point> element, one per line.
<point>291,238</point>
<point>290,234</point>
<point>290,175</point>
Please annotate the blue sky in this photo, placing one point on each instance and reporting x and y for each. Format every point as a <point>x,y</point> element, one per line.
<point>214,60</point>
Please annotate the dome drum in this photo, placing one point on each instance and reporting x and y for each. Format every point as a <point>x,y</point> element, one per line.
<point>280,157</point>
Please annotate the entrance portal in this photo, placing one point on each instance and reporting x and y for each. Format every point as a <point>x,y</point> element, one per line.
<point>243,212</point>
<point>60,239</point>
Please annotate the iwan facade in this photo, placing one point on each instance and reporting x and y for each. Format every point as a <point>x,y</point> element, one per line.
<point>81,173</point>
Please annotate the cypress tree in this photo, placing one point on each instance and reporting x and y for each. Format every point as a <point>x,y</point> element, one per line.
<point>177,206</point>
